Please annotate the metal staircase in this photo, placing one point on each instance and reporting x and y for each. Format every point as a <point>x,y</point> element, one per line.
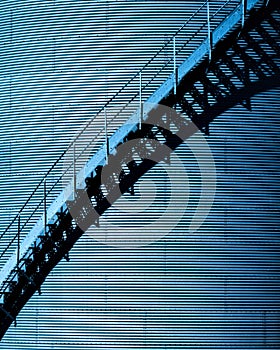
<point>232,57</point>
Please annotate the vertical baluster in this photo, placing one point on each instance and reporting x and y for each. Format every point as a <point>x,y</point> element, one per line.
<point>45,205</point>
<point>106,136</point>
<point>174,67</point>
<point>140,100</point>
<point>244,9</point>
<point>18,242</point>
<point>209,31</point>
<point>74,171</point>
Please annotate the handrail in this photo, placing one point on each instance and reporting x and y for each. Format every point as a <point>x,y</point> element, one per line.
<point>131,98</point>
<point>100,110</point>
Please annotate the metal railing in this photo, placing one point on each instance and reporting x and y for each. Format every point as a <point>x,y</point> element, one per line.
<point>117,109</point>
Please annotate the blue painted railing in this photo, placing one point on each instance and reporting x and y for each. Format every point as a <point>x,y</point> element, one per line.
<point>152,84</point>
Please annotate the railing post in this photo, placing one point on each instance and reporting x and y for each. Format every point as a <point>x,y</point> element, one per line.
<point>174,67</point>
<point>18,242</point>
<point>45,206</point>
<point>244,10</point>
<point>18,258</point>
<point>106,136</point>
<point>209,31</point>
<point>74,171</point>
<point>140,101</point>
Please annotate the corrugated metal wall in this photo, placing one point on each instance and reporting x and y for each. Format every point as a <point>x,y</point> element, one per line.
<point>215,288</point>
